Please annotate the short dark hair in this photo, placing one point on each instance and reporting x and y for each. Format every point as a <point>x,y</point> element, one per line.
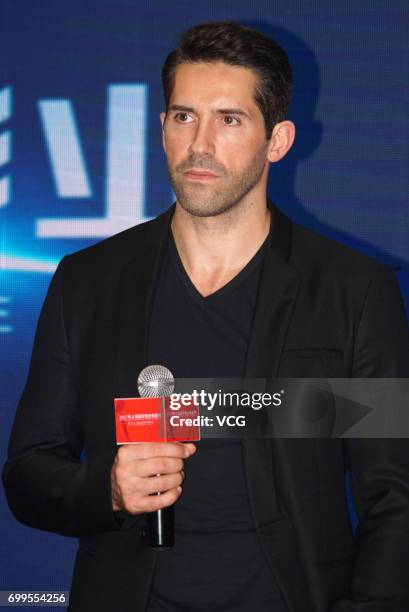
<point>237,45</point>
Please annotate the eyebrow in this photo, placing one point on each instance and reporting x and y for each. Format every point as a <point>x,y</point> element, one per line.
<point>221,111</point>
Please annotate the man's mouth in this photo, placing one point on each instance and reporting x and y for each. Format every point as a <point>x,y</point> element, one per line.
<point>203,175</point>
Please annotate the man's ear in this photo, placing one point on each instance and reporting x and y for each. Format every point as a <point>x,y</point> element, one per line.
<point>282,138</point>
<point>162,120</point>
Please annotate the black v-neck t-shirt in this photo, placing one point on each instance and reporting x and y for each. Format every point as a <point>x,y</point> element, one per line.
<point>217,563</point>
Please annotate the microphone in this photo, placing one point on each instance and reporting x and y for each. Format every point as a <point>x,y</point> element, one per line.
<point>158,381</point>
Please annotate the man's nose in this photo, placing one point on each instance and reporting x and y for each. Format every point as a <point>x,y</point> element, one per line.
<point>203,139</point>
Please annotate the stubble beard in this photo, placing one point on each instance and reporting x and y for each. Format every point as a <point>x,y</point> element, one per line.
<point>206,200</point>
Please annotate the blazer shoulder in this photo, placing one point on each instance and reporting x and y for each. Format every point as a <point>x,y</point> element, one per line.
<point>112,254</point>
<point>314,253</point>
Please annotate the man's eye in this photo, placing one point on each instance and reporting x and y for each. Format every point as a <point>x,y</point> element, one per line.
<point>183,117</point>
<point>229,120</point>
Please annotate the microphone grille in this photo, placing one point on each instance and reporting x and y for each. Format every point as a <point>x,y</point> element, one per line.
<point>155,381</point>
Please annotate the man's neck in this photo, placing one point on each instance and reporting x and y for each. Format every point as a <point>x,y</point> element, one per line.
<point>215,249</point>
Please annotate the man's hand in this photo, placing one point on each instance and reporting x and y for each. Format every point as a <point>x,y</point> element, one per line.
<point>141,470</point>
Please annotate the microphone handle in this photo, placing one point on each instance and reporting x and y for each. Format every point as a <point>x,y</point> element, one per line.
<point>161,528</point>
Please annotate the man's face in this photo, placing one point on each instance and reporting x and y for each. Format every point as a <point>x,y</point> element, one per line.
<point>214,137</point>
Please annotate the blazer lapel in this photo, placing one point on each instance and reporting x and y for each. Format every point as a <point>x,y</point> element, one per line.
<point>135,301</point>
<point>275,305</point>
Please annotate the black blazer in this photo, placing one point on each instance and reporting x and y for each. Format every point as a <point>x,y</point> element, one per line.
<point>322,311</point>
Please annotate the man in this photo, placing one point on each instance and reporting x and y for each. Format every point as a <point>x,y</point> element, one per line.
<point>221,285</point>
